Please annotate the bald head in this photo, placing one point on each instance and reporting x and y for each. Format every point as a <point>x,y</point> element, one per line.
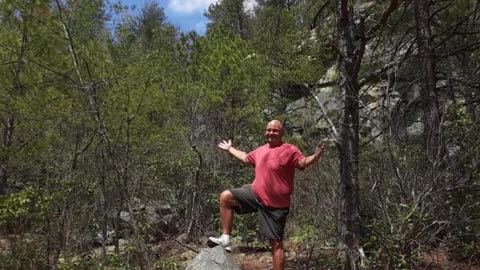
<point>274,133</point>
<point>276,124</point>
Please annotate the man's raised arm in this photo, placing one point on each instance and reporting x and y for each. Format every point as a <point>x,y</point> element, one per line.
<point>312,159</point>
<point>227,146</point>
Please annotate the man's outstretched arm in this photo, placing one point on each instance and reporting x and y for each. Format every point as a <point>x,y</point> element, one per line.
<point>227,146</point>
<point>312,159</point>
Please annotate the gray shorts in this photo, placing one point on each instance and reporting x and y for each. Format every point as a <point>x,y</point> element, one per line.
<point>272,220</point>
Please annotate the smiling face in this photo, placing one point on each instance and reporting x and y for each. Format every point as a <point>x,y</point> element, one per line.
<point>274,133</point>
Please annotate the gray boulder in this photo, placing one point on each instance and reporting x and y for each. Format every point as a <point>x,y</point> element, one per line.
<point>213,259</point>
<point>155,215</point>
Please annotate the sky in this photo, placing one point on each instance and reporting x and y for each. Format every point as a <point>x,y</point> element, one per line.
<point>187,15</point>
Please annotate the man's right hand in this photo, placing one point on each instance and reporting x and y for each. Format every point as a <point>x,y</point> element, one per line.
<point>225,145</point>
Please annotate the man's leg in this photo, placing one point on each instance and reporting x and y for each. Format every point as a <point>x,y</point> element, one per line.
<point>227,203</point>
<point>278,253</point>
<point>272,222</point>
<point>242,201</point>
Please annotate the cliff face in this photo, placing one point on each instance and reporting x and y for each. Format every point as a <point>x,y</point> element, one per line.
<point>386,106</point>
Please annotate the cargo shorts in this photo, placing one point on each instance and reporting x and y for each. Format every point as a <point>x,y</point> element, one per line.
<point>272,220</point>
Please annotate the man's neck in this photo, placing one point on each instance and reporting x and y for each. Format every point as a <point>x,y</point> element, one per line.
<point>273,145</point>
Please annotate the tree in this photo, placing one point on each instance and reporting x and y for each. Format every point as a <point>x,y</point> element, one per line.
<point>432,109</point>
<point>152,29</point>
<point>231,15</point>
<point>294,53</point>
<point>232,77</point>
<point>351,40</point>
<point>350,55</point>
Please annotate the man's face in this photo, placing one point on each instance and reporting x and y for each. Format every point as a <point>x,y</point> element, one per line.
<point>274,133</point>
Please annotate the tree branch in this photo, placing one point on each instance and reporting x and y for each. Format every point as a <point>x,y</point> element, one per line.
<point>70,44</point>
<point>317,15</point>
<point>394,4</point>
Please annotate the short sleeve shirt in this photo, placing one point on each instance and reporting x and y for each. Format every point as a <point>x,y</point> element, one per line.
<point>274,173</point>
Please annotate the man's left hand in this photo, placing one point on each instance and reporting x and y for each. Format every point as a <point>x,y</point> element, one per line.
<point>319,150</point>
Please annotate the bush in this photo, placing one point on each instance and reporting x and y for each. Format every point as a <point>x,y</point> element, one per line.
<point>24,252</point>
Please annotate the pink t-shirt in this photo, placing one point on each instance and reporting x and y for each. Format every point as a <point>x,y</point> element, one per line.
<point>274,173</point>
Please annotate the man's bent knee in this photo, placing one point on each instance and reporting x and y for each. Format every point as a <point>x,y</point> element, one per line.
<point>227,199</point>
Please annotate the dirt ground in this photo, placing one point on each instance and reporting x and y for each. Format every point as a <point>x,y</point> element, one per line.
<point>255,258</point>
<point>258,257</point>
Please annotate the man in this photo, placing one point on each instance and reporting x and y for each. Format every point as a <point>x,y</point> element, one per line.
<point>270,192</point>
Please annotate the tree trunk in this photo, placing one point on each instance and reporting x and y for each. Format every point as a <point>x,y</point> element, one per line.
<point>430,101</point>
<point>350,55</point>
<point>7,138</point>
<point>194,199</point>
<point>3,178</point>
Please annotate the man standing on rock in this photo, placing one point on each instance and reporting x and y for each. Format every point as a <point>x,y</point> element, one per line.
<point>271,190</point>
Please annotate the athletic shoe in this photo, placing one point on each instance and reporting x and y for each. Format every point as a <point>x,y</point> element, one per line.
<point>214,241</point>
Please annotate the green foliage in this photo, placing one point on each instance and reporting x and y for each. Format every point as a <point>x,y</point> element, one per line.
<point>304,234</point>
<point>295,54</point>
<point>458,118</point>
<point>115,261</point>
<point>403,213</point>
<point>459,8</point>
<point>32,204</point>
<point>152,29</point>
<point>230,15</point>
<point>167,264</point>
<point>246,229</point>
<point>227,84</point>
<point>111,261</point>
<point>328,261</point>
<point>392,244</point>
<point>395,211</point>
<point>91,120</point>
<point>229,69</point>
<point>26,252</point>
<point>463,237</point>
<point>286,41</point>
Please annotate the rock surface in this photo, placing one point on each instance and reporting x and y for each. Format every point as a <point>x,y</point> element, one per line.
<point>213,259</point>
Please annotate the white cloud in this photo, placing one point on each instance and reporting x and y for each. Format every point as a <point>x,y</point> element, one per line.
<point>190,6</point>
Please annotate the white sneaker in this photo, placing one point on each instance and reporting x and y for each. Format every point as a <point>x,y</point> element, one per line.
<point>214,241</point>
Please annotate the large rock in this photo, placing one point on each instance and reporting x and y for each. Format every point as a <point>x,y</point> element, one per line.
<point>213,259</point>
<point>155,215</point>
<point>151,212</point>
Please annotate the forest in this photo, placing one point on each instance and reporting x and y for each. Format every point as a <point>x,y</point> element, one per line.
<point>109,125</point>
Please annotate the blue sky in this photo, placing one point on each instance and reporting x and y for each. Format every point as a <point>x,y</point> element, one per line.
<point>187,15</point>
